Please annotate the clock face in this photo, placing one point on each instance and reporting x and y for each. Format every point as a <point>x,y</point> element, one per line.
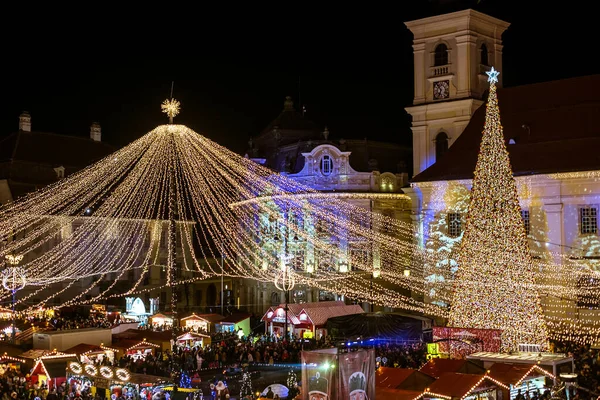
<point>441,90</point>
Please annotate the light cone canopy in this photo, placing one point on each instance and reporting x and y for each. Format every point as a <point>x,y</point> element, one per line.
<point>113,217</point>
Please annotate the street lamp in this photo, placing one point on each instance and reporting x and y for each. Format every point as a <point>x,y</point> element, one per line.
<point>569,379</point>
<point>285,281</point>
<point>14,279</point>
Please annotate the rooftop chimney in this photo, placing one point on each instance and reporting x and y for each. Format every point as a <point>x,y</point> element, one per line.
<point>25,122</point>
<point>96,132</point>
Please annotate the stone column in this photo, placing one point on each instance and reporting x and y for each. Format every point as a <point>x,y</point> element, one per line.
<point>420,73</point>
<point>465,51</point>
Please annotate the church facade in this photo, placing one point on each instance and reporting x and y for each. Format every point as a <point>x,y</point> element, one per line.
<point>551,136</point>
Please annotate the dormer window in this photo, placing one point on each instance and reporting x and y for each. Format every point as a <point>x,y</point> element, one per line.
<point>60,172</point>
<point>326,165</point>
<point>441,55</point>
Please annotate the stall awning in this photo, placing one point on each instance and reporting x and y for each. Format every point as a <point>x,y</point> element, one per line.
<point>192,336</point>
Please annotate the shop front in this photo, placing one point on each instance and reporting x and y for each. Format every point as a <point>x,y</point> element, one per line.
<point>51,370</point>
<point>106,381</point>
<point>192,339</point>
<point>8,363</point>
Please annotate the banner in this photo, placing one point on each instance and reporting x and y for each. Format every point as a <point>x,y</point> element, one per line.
<point>319,375</point>
<point>357,375</point>
<point>460,342</point>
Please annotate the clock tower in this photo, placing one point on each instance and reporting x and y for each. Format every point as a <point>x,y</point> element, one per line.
<point>452,53</point>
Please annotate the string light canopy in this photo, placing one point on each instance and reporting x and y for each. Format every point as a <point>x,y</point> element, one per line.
<point>174,191</point>
<point>494,248</point>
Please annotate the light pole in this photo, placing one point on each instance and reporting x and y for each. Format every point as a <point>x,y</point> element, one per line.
<point>285,281</point>
<point>14,279</point>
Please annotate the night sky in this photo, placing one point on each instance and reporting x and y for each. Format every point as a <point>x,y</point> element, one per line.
<point>232,73</point>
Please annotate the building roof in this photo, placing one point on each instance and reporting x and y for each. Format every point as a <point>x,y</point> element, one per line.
<point>458,385</point>
<point>48,151</point>
<point>55,367</point>
<point>139,335</point>
<point>84,348</point>
<point>291,119</point>
<point>554,126</point>
<point>521,358</point>
<point>514,374</point>
<point>391,377</point>
<point>436,367</point>
<point>294,309</point>
<point>320,315</point>
<point>395,394</point>
<point>214,318</point>
<point>289,135</point>
<point>235,318</point>
<point>52,149</point>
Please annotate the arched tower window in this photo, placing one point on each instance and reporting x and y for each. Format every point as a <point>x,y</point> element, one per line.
<point>441,55</point>
<point>326,165</point>
<point>441,145</point>
<point>484,54</point>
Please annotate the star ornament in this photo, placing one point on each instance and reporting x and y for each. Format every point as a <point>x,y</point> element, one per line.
<point>170,107</point>
<point>492,75</point>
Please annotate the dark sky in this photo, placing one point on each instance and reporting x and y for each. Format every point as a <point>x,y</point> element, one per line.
<point>232,73</point>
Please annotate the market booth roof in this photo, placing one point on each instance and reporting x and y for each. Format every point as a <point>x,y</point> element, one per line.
<point>396,394</point>
<point>456,385</point>
<point>84,348</point>
<point>192,336</point>
<point>438,366</point>
<point>402,379</point>
<point>514,374</point>
<point>377,325</point>
<point>5,358</point>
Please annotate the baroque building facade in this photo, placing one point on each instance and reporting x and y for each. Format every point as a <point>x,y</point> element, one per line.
<point>294,146</point>
<point>551,136</point>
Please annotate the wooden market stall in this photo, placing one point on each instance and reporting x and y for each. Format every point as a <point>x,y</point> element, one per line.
<point>135,348</point>
<point>8,363</point>
<point>106,381</point>
<point>235,323</point>
<point>90,353</point>
<point>526,378</point>
<point>162,319</point>
<point>51,370</point>
<point>456,386</point>
<point>193,339</point>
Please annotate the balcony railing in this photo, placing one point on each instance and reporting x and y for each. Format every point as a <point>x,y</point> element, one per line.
<point>440,71</point>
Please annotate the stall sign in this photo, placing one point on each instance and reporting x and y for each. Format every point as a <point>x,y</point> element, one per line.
<point>102,383</point>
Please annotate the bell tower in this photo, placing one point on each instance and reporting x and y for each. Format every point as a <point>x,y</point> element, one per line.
<point>452,52</point>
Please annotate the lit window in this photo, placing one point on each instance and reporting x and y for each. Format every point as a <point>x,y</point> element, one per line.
<point>454,225</point>
<point>525,217</point>
<point>588,220</point>
<point>326,165</point>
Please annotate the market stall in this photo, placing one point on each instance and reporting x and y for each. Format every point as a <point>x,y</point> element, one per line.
<point>193,339</point>
<point>51,370</point>
<point>163,320</point>
<point>136,349</point>
<point>195,323</point>
<point>91,353</point>
<point>107,381</point>
<point>8,363</point>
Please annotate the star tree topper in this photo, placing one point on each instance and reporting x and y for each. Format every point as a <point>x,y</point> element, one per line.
<point>493,75</point>
<point>170,107</point>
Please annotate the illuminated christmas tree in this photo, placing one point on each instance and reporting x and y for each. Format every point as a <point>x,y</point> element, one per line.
<point>185,381</point>
<point>246,387</point>
<point>494,287</point>
<point>292,384</point>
